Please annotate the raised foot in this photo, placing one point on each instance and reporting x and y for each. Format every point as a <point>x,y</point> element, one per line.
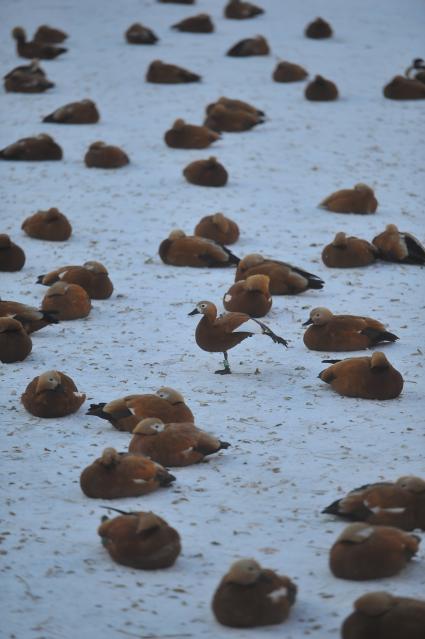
<point>223,371</point>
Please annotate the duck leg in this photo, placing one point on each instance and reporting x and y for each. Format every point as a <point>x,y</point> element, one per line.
<point>226,370</point>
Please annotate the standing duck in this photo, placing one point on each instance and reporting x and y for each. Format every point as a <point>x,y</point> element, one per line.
<point>284,278</point>
<point>116,475</point>
<point>52,394</point>
<point>50,225</point>
<point>92,277</point>
<point>249,596</point>
<point>125,413</point>
<point>250,296</point>
<point>140,540</point>
<point>348,252</point>
<point>173,444</point>
<point>397,246</point>
<point>219,334</point>
<point>329,332</point>
<point>400,504</point>
<point>12,257</point>
<point>380,615</point>
<point>367,377</point>
<point>83,112</point>
<point>35,149</point>
<point>360,199</point>
<point>180,249</point>
<point>363,552</point>
<point>35,49</point>
<point>15,343</point>
<point>217,227</point>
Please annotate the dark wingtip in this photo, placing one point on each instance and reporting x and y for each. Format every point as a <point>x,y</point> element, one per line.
<point>224,444</point>
<point>48,118</point>
<point>40,279</point>
<point>96,409</point>
<point>50,317</point>
<point>332,509</point>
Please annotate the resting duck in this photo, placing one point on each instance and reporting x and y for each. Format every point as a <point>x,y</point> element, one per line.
<point>12,257</point>
<point>31,318</point>
<point>206,173</point>
<point>125,413</point>
<point>28,78</point>
<point>34,149</point>
<point>52,394</point>
<point>189,136</point>
<point>219,334</point>
<point>319,29</point>
<point>115,475</point>
<point>180,249</point>
<point>367,377</point>
<point>284,278</point>
<point>321,90</point>
<point>397,246</point>
<point>239,10</point>
<point>173,444</point>
<point>105,156</point>
<point>289,72</point>
<point>360,199</point>
<point>92,277</point>
<point>249,47</point>
<point>161,73</point>
<point>217,227</point>
<point>348,252</point>
<point>200,23</point>
<point>401,88</point>
<point>329,332</point>
<point>230,120</point>
<point>50,225</point>
<point>400,504</point>
<point>84,112</point>
<point>250,296</point>
<point>15,343</point>
<point>140,540</point>
<point>69,301</point>
<point>249,596</point>
<point>139,34</point>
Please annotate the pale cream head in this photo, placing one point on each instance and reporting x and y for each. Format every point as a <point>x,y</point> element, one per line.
<point>379,360</point>
<point>176,234</point>
<point>253,259</point>
<point>149,426</point>
<point>340,239</point>
<point>48,381</point>
<point>58,288</point>
<point>363,187</point>
<point>356,533</point>
<point>411,483</point>
<point>4,241</point>
<point>391,228</point>
<point>169,394</point>
<point>94,266</point>
<point>109,457</point>
<point>179,124</point>
<point>320,315</point>
<point>243,572</point>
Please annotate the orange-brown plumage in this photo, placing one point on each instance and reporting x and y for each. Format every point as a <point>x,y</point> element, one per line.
<point>321,90</point>
<point>28,78</point>
<point>50,35</point>
<point>401,88</point>
<point>68,301</point>
<point>125,413</point>
<point>231,120</point>
<point>82,112</point>
<point>139,34</point>
<point>360,199</point>
<point>380,615</point>
<point>217,227</point>
<point>35,49</point>
<point>189,136</point>
<point>173,444</point>
<point>15,343</point>
<point>250,596</point>
<point>92,277</point>
<point>240,10</point>
<point>289,72</point>
<point>12,257</point>
<point>250,296</point>
<point>183,250</point>
<point>249,47</point>
<point>367,377</point>
<point>31,318</point>
<point>105,156</point>
<point>284,278</point>
<point>161,73</point>
<point>114,475</point>
<point>319,29</point>
<point>397,246</point>
<point>34,149</point>
<point>206,173</point>
<point>200,23</point>
<point>348,252</point>
<point>400,504</point>
<point>140,540</point>
<point>50,225</point>
<point>363,552</point>
<point>329,332</point>
<point>52,394</point>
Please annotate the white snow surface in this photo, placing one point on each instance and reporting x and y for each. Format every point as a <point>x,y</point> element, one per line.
<point>296,445</point>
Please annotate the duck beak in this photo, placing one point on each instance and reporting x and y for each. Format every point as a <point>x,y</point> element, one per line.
<point>194,312</point>
<point>308,322</point>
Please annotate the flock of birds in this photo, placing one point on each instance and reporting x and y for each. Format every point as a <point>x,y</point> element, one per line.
<point>378,543</point>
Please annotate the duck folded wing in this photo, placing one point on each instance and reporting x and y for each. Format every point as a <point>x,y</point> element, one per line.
<point>416,252</point>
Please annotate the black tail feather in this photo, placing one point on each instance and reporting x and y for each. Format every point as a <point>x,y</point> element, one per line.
<point>97,410</point>
<point>224,445</point>
<point>50,317</point>
<point>40,279</point>
<point>331,361</point>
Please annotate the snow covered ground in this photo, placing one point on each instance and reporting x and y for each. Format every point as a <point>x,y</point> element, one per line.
<point>296,445</point>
